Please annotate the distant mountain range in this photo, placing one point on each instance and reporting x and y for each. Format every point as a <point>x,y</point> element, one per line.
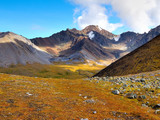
<point>92,44</point>
<point>144,59</point>
<point>15,49</point>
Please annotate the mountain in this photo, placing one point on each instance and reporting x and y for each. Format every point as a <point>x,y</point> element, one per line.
<point>84,45</point>
<point>94,33</point>
<point>135,40</point>
<point>145,58</point>
<point>15,49</point>
<point>147,37</point>
<point>92,43</point>
<point>99,35</point>
<point>75,45</point>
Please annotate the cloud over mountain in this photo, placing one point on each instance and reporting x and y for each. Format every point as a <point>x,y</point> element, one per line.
<point>138,15</point>
<point>93,12</point>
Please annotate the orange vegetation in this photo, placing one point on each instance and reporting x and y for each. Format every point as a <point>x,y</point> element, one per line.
<point>31,98</point>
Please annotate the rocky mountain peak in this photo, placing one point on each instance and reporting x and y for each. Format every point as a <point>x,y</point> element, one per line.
<point>2,34</point>
<point>92,28</point>
<point>96,29</point>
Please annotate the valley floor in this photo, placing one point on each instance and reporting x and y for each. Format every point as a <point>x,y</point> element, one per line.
<point>35,98</point>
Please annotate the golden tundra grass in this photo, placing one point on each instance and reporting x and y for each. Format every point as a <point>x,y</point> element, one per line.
<point>53,71</point>
<point>55,94</point>
<point>31,98</point>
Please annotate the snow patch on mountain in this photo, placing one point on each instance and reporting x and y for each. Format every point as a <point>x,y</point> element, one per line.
<point>117,37</point>
<point>91,35</point>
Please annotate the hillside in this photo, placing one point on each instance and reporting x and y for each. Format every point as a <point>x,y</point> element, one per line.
<point>15,49</point>
<point>144,59</point>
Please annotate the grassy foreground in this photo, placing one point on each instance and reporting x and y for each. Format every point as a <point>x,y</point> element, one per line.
<point>31,98</point>
<point>60,92</point>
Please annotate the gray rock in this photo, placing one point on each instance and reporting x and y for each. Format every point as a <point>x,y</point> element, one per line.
<point>94,112</point>
<point>84,118</point>
<point>85,97</point>
<point>142,97</point>
<point>90,101</point>
<point>142,80</point>
<point>131,95</point>
<point>157,106</point>
<point>132,81</point>
<point>144,105</point>
<point>131,78</point>
<point>158,94</point>
<point>158,88</point>
<point>146,86</point>
<point>147,103</point>
<point>137,80</point>
<point>116,92</point>
<point>157,112</point>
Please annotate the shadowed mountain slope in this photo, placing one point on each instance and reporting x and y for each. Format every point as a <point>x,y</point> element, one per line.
<point>87,50</point>
<point>144,59</point>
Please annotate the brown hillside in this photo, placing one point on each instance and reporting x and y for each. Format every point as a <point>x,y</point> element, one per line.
<point>145,58</point>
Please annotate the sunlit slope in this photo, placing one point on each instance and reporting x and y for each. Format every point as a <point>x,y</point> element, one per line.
<point>144,59</point>
<point>57,70</point>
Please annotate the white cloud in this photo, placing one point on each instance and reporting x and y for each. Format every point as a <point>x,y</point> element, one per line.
<point>139,15</point>
<point>93,12</point>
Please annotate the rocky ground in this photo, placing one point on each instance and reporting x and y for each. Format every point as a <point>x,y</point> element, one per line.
<point>145,88</point>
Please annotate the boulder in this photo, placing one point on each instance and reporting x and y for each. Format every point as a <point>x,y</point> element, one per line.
<point>116,92</point>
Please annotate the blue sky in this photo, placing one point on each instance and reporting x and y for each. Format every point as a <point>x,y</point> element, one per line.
<point>32,18</point>
<point>42,18</point>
